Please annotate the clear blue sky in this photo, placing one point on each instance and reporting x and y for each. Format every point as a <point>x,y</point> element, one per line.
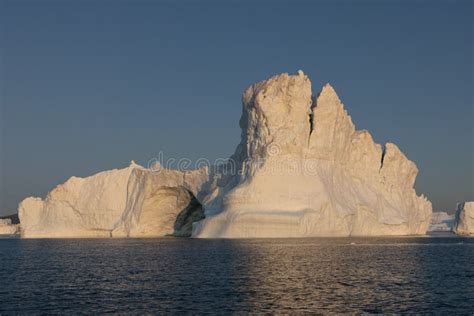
<point>90,85</point>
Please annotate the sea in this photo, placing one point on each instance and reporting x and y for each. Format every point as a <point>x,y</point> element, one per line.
<point>415,275</point>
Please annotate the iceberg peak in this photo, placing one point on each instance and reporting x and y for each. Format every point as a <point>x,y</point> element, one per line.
<point>464,221</point>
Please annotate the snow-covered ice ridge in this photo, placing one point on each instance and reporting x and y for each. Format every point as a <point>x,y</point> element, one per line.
<point>301,169</point>
<point>332,179</point>
<point>464,223</point>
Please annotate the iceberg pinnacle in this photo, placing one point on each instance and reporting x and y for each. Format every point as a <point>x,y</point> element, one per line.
<point>464,220</point>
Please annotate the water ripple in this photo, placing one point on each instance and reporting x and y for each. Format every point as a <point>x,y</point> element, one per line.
<point>337,275</point>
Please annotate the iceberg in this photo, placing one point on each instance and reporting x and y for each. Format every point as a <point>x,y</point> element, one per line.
<point>464,223</point>
<point>301,170</point>
<point>304,170</point>
<point>129,202</point>
<point>7,228</point>
<point>441,222</point>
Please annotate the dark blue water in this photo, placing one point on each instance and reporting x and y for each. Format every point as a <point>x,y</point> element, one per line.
<point>369,275</point>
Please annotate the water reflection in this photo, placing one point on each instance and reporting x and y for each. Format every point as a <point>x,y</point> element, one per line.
<point>380,275</point>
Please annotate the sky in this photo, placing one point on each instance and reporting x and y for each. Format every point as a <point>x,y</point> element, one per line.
<point>87,86</point>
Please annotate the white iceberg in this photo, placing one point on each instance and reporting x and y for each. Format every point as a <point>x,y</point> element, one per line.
<point>7,228</point>
<point>464,224</point>
<point>441,222</point>
<point>304,170</point>
<point>301,169</point>
<point>129,202</point>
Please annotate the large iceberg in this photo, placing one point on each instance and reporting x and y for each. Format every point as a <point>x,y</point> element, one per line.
<point>302,169</point>
<point>129,202</point>
<point>464,224</point>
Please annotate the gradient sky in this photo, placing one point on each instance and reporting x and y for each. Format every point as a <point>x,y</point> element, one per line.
<point>90,85</point>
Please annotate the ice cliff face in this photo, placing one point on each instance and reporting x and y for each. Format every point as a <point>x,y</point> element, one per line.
<point>302,169</point>
<point>464,223</point>
<point>129,202</point>
<point>7,228</point>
